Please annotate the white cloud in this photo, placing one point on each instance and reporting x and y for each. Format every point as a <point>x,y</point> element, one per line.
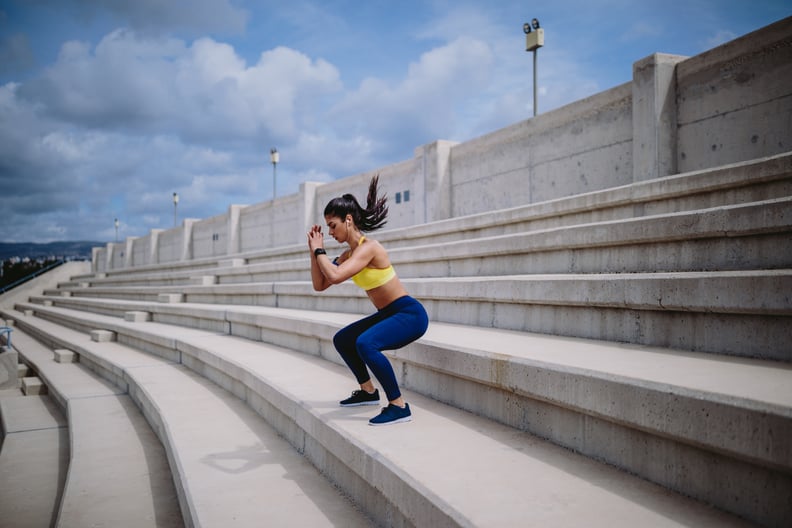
<point>421,107</point>
<point>203,91</point>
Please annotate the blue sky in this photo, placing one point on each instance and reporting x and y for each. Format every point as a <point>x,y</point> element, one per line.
<point>107,107</point>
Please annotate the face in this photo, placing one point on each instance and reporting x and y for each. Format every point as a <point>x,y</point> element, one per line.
<point>337,227</point>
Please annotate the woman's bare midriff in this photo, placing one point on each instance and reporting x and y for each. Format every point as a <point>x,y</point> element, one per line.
<point>383,295</point>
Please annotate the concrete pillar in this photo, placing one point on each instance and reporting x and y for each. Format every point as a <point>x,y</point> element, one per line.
<point>307,205</point>
<point>654,115</point>
<point>233,229</point>
<point>434,163</point>
<point>96,255</point>
<point>109,256</point>
<point>9,369</point>
<point>153,250</point>
<point>187,238</point>
<point>130,247</point>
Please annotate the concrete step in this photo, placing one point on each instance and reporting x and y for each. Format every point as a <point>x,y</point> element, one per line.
<point>65,381</point>
<point>740,313</point>
<point>514,479</point>
<point>224,458</point>
<point>714,239</point>
<point>756,235</point>
<point>33,385</point>
<point>118,473</point>
<point>571,391</point>
<point>33,460</point>
<point>752,181</point>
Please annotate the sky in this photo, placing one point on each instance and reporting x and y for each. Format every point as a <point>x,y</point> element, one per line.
<point>108,107</point>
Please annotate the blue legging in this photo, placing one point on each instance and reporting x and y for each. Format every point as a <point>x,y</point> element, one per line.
<point>361,343</point>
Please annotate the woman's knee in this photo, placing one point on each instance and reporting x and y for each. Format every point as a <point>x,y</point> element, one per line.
<point>366,348</point>
<point>344,341</point>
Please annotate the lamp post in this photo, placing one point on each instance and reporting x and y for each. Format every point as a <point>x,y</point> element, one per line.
<point>274,158</point>
<point>534,39</point>
<point>116,229</point>
<point>175,207</point>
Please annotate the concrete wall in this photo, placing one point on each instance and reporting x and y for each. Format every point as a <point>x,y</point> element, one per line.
<point>732,103</point>
<point>210,237</point>
<point>735,101</point>
<point>585,146</point>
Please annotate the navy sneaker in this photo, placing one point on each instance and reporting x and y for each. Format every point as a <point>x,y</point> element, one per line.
<point>361,397</point>
<point>392,414</point>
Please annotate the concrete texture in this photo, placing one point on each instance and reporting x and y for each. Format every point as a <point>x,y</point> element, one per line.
<point>32,386</point>
<point>65,356</point>
<point>590,378</point>
<point>102,336</point>
<point>9,369</point>
<point>223,458</point>
<point>118,473</point>
<point>33,460</point>
<point>294,390</point>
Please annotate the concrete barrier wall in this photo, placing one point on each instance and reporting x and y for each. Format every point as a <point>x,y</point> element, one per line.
<point>171,246</point>
<point>735,101</point>
<point>401,182</point>
<point>678,114</point>
<point>289,220</point>
<point>210,237</point>
<point>141,251</point>
<point>582,147</point>
<point>117,258</point>
<point>255,224</point>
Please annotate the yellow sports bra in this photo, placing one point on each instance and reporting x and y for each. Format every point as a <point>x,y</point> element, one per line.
<point>370,278</point>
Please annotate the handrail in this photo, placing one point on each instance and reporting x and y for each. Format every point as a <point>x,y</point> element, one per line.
<point>31,276</point>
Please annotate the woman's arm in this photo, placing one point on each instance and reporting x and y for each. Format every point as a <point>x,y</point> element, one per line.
<point>355,261</point>
<point>324,273</point>
<point>320,282</point>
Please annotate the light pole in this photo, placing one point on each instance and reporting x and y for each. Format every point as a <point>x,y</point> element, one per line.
<point>116,229</point>
<point>175,207</point>
<point>534,39</point>
<point>274,158</point>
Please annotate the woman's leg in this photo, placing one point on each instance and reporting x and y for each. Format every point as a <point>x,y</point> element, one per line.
<point>396,330</point>
<point>345,342</point>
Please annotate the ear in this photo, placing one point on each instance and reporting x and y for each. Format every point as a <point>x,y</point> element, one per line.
<point>349,218</point>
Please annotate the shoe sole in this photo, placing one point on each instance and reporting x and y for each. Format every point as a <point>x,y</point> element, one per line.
<point>398,420</point>
<point>359,404</point>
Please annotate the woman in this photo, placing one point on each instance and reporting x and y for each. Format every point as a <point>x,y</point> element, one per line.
<point>399,319</point>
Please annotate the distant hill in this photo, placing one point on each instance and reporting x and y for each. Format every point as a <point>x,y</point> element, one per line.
<point>80,249</point>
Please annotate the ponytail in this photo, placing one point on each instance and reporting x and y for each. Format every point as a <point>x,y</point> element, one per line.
<point>371,218</point>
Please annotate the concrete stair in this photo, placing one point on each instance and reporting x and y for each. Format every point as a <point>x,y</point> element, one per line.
<point>646,327</point>
<point>222,459</point>
<point>393,474</point>
<point>117,473</point>
<point>742,183</point>
<point>728,409</point>
<point>677,280</point>
<point>33,459</point>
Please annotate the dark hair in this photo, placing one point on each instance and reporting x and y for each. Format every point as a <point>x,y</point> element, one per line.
<point>371,218</point>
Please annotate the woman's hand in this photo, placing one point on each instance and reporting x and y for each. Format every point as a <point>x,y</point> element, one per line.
<point>315,238</point>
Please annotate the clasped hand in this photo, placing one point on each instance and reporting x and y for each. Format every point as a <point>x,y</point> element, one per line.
<point>315,238</point>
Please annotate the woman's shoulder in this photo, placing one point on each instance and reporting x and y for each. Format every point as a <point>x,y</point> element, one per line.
<point>373,245</point>
<point>379,255</point>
